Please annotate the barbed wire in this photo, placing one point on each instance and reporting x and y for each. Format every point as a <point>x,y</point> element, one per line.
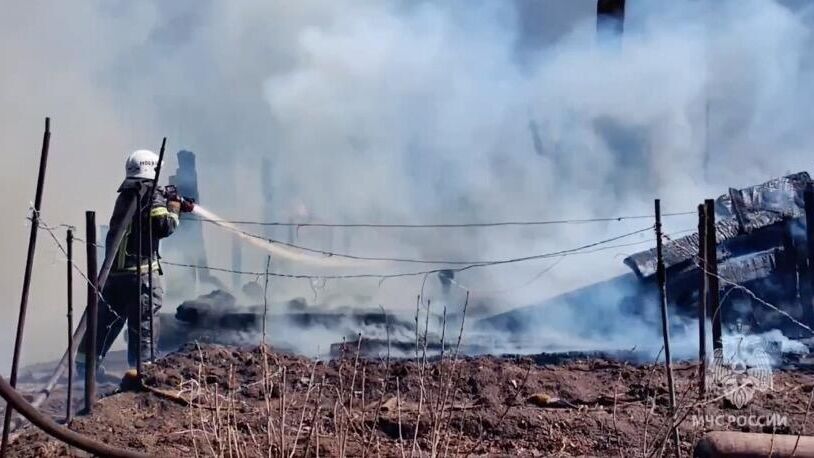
<point>50,230</point>
<point>695,259</point>
<point>415,273</point>
<point>436,225</point>
<point>97,245</point>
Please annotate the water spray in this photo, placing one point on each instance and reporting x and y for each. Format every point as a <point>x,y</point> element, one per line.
<point>274,249</point>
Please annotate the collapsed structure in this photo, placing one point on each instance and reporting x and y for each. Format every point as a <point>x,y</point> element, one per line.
<point>761,247</point>
<point>762,258</point>
<point>763,269</point>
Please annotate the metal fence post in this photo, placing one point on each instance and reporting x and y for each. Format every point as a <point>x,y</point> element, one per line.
<point>29,265</point>
<point>92,312</point>
<point>69,402</point>
<point>661,275</point>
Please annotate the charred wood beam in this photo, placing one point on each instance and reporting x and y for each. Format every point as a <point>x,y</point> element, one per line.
<point>610,14</point>
<point>703,289</point>
<point>712,274</point>
<point>808,306</point>
<point>749,219</point>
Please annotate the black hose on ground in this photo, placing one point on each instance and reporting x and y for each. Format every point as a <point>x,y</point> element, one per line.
<point>16,401</point>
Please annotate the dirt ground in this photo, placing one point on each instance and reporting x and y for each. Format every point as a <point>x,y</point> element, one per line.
<point>223,401</point>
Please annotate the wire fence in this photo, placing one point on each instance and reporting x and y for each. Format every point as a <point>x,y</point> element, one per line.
<point>695,259</point>
<point>50,230</point>
<point>437,225</point>
<point>453,265</point>
<point>386,275</point>
<point>448,262</point>
<point>450,265</point>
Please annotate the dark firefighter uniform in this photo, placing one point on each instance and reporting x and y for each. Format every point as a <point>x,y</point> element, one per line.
<point>125,291</point>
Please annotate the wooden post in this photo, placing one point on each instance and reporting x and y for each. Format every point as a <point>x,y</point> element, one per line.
<point>91,313</point>
<point>661,277</point>
<point>29,265</point>
<point>703,294</point>
<point>714,304</point>
<point>808,307</point>
<point>69,401</point>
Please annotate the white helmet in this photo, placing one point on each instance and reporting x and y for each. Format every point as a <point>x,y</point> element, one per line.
<point>141,164</point>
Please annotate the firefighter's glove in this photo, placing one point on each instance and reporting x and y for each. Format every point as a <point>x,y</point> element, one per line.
<point>187,205</point>
<point>174,206</point>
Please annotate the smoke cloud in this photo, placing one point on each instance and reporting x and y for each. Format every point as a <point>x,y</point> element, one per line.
<point>398,112</point>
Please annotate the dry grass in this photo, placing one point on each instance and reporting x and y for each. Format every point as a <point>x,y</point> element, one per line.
<point>336,417</point>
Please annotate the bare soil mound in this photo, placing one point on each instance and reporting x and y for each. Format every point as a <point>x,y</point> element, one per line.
<point>226,401</point>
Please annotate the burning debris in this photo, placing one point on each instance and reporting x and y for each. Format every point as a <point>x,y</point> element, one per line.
<point>762,263</point>
<point>427,155</point>
<point>762,251</point>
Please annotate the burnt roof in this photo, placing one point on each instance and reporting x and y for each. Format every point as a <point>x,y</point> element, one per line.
<point>738,213</point>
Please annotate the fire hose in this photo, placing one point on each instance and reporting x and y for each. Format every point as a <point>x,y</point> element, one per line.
<point>118,238</point>
<point>732,444</point>
<point>82,326</point>
<point>16,401</point>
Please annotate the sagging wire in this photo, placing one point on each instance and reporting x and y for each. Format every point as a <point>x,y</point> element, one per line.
<point>386,259</point>
<point>317,282</point>
<point>696,260</point>
<point>50,231</point>
<point>470,266</point>
<point>536,277</point>
<point>554,264</point>
<point>441,225</point>
<point>542,272</point>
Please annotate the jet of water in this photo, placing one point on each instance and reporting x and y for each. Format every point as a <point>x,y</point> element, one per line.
<point>277,250</point>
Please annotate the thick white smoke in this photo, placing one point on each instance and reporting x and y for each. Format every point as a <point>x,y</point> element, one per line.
<point>400,112</point>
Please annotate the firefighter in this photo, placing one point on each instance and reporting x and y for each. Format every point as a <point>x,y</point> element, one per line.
<point>124,292</point>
